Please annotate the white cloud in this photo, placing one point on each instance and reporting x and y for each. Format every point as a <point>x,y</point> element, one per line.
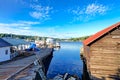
<point>19,24</point>
<point>13,30</point>
<point>20,27</point>
<point>29,22</point>
<point>25,28</point>
<point>19,30</point>
<point>88,12</point>
<point>11,24</point>
<point>30,30</point>
<point>77,11</point>
<point>63,35</point>
<point>56,32</point>
<point>41,12</point>
<point>93,9</point>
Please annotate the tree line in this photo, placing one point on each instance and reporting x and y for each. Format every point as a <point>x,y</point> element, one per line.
<point>33,38</point>
<point>29,38</point>
<point>79,38</point>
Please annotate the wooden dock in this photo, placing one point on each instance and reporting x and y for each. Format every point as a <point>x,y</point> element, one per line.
<point>22,69</point>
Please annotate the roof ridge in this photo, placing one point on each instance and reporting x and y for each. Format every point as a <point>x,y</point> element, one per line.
<point>100,33</point>
<point>5,43</point>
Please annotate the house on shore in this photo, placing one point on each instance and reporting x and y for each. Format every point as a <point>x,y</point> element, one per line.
<point>17,45</point>
<point>4,50</point>
<point>102,54</point>
<point>50,42</point>
<point>40,43</point>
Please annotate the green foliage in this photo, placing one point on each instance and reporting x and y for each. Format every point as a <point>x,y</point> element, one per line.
<point>79,39</point>
<point>30,38</point>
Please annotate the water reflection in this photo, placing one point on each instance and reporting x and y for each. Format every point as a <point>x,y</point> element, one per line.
<point>57,48</point>
<point>67,59</point>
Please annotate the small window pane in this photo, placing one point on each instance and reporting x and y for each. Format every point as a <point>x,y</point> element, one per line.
<point>6,52</point>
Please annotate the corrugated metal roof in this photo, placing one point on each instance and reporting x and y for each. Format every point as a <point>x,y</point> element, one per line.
<point>100,33</point>
<point>4,43</point>
<point>15,42</point>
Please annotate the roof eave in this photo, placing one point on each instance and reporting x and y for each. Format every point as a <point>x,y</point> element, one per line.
<point>93,38</point>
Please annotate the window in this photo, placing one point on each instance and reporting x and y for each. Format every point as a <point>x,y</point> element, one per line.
<point>6,52</point>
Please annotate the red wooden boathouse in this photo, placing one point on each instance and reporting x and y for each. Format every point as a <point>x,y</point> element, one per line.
<point>102,54</point>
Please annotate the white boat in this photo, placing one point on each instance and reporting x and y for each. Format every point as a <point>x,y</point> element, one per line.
<point>57,44</point>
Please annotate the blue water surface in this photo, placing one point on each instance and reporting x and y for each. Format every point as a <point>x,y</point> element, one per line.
<point>66,59</point>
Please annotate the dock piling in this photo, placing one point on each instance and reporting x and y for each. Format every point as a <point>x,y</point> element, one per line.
<point>40,69</point>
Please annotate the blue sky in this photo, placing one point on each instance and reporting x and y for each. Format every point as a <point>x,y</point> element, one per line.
<point>56,18</point>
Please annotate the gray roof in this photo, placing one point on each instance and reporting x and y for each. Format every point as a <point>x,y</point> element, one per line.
<point>4,43</point>
<point>15,42</point>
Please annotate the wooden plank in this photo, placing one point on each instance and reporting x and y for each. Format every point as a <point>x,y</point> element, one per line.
<point>101,77</point>
<point>114,62</point>
<point>116,32</point>
<point>104,67</point>
<point>103,72</point>
<point>108,64</point>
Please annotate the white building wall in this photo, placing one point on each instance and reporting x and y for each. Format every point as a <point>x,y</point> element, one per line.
<point>27,46</point>
<point>50,41</point>
<point>23,47</point>
<point>3,55</point>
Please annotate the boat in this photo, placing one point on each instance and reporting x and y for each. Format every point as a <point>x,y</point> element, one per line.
<point>57,44</point>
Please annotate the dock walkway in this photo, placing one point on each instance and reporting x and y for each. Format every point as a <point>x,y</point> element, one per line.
<point>12,68</point>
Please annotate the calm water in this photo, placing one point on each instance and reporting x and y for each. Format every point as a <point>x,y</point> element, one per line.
<point>66,59</point>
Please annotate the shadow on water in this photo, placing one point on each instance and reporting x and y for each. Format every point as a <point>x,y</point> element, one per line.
<point>85,75</point>
<point>46,63</point>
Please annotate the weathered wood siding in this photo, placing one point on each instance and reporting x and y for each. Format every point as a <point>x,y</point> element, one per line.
<point>87,56</point>
<point>103,57</point>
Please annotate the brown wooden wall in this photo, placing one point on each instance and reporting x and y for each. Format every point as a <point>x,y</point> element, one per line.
<point>103,57</point>
<point>87,55</point>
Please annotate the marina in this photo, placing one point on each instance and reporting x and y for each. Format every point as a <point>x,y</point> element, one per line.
<point>59,39</point>
<point>62,61</point>
<point>52,60</point>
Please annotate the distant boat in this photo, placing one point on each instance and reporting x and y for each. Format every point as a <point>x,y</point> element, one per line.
<point>50,41</point>
<point>57,44</point>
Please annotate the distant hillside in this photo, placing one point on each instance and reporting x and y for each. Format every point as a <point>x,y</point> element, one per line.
<point>30,38</point>
<point>79,38</point>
